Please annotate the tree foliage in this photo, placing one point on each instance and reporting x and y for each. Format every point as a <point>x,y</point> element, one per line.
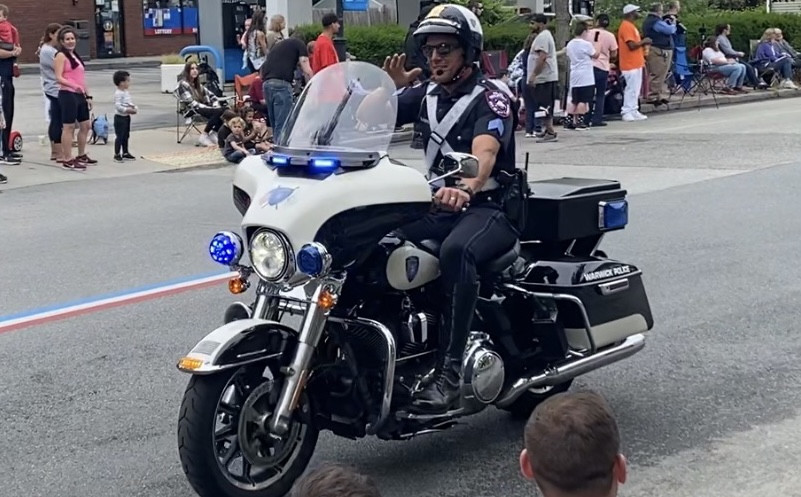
<point>494,12</point>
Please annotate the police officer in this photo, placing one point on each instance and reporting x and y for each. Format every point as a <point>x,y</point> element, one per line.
<point>459,110</point>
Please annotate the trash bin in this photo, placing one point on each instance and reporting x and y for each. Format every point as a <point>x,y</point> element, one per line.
<point>81,27</point>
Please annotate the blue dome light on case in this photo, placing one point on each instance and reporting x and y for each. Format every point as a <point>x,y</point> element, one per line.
<point>226,248</point>
<point>613,214</point>
<point>314,260</point>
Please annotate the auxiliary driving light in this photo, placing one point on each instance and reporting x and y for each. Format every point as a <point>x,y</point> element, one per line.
<point>613,215</point>
<point>226,248</point>
<point>314,260</point>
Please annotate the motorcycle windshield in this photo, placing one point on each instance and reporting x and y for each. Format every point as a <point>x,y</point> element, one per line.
<point>334,112</point>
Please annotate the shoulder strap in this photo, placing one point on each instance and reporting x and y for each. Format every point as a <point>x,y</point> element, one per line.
<point>440,130</point>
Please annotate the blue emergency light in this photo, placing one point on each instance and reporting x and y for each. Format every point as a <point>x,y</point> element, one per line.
<point>613,214</point>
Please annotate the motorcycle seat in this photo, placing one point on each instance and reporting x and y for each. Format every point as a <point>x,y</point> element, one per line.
<point>493,266</point>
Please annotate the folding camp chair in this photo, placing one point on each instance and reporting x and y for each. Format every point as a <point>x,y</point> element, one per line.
<point>242,87</point>
<point>705,79</point>
<point>186,119</point>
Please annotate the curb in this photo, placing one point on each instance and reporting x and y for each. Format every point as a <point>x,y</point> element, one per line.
<point>689,103</point>
<point>692,102</point>
<point>100,65</point>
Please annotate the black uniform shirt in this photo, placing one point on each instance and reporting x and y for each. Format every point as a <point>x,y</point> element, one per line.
<point>490,114</point>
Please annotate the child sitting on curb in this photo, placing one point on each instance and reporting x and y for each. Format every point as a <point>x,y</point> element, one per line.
<point>234,150</point>
<point>225,130</point>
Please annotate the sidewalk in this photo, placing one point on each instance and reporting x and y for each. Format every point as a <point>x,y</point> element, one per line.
<point>157,150</point>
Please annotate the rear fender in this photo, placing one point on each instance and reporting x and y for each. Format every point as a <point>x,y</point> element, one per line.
<point>237,343</point>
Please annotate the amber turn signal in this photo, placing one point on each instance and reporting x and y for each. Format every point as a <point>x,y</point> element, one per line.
<point>189,364</point>
<point>327,300</point>
<point>237,285</point>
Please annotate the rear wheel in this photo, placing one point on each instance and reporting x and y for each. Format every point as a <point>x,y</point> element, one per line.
<point>525,404</point>
<point>222,444</point>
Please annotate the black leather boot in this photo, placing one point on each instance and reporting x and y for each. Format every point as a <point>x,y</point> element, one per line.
<point>440,395</point>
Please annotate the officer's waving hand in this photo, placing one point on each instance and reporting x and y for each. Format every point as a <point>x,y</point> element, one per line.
<point>459,111</point>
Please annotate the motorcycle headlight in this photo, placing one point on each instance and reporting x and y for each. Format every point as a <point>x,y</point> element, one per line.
<point>269,254</point>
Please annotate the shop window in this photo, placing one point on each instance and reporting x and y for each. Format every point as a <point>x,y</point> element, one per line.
<point>169,17</point>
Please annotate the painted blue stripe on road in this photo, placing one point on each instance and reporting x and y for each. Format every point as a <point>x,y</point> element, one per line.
<point>122,293</point>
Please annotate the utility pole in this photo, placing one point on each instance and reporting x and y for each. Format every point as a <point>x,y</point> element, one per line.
<point>562,11</point>
<point>340,43</point>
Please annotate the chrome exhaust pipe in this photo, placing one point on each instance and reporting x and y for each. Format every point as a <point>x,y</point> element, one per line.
<point>573,369</point>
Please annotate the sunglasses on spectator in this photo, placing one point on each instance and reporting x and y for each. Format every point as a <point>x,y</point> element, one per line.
<point>443,49</point>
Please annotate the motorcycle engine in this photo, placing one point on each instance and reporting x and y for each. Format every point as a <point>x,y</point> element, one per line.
<point>483,372</point>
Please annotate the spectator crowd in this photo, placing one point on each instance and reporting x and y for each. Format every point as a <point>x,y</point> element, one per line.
<point>608,73</point>
<point>611,73</point>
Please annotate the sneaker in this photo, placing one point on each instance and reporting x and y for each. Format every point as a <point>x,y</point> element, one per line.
<point>529,135</point>
<point>631,116</point>
<point>16,155</point>
<point>596,125</point>
<point>73,165</point>
<point>581,127</point>
<point>84,159</point>
<point>205,141</point>
<point>3,180</point>
<point>128,156</point>
<point>10,161</point>
<point>548,137</point>
<point>117,158</point>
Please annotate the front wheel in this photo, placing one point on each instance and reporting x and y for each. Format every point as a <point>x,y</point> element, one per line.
<point>224,450</point>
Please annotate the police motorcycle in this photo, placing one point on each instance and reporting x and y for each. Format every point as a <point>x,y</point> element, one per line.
<point>343,329</point>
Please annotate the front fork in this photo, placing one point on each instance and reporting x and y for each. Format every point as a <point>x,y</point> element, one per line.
<point>320,304</point>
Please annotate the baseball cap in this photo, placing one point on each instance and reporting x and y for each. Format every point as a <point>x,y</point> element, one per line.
<point>628,9</point>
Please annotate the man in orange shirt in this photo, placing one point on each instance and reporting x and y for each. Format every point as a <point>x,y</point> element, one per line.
<point>631,62</point>
<point>325,54</point>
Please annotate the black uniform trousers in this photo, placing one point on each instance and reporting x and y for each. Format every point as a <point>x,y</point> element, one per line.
<point>469,238</point>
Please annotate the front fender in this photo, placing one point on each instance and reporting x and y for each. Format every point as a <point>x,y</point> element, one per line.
<point>237,343</point>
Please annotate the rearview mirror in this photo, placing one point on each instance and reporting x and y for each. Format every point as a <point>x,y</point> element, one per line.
<point>456,164</point>
<point>468,164</point>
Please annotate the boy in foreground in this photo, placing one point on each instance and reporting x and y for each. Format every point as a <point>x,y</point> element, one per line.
<point>572,447</point>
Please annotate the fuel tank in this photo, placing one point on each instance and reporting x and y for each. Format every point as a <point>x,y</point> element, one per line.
<point>409,267</point>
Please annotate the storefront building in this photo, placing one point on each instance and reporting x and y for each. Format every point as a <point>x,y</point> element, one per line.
<point>109,28</point>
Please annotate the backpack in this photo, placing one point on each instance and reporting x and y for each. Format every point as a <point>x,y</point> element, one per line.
<point>100,129</point>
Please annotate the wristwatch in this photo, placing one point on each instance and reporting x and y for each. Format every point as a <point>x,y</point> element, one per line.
<point>466,189</point>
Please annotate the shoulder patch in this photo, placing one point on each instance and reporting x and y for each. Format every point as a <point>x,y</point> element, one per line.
<point>499,103</point>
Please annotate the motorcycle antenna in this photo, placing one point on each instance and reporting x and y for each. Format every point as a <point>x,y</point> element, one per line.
<point>526,166</point>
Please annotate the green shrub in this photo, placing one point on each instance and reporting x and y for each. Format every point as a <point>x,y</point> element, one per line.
<point>374,43</point>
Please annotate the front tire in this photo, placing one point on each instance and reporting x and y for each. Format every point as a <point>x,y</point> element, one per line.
<point>213,467</point>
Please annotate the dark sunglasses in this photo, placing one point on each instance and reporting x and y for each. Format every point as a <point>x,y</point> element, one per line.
<point>443,49</point>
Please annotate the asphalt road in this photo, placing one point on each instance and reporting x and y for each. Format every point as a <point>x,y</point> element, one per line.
<point>709,408</point>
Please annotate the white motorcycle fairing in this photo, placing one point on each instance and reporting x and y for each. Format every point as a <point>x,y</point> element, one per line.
<point>298,207</point>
